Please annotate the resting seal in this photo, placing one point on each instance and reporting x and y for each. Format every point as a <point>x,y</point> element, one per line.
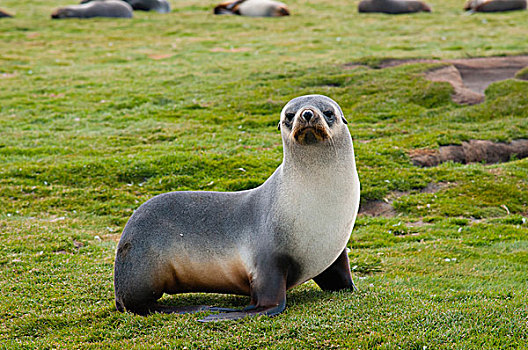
<point>259,242</point>
<point>4,14</point>
<point>494,5</point>
<point>161,6</point>
<point>108,8</point>
<point>252,8</point>
<point>393,7</point>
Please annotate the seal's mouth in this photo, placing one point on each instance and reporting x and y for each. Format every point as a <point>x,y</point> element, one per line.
<point>309,135</point>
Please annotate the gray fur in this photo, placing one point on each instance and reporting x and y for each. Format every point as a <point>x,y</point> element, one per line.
<point>109,8</point>
<point>161,6</point>
<point>393,6</point>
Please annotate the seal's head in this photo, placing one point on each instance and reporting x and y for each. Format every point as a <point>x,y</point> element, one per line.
<point>311,119</point>
<point>280,11</point>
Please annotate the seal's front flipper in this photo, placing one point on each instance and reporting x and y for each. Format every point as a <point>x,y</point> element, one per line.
<point>268,292</point>
<point>265,311</point>
<point>337,276</point>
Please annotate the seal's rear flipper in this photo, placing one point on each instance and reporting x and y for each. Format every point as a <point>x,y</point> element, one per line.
<point>268,292</point>
<point>337,276</point>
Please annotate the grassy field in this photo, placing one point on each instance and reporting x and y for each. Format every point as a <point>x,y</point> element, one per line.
<point>97,116</point>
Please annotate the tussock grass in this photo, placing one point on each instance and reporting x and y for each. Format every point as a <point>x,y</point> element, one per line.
<point>99,115</point>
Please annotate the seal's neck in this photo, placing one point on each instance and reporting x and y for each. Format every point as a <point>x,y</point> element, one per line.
<point>333,158</point>
<point>317,197</point>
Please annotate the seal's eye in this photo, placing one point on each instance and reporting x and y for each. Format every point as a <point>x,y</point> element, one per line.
<point>290,116</point>
<point>329,115</point>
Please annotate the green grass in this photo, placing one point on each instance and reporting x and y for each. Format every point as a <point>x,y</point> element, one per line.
<point>97,116</point>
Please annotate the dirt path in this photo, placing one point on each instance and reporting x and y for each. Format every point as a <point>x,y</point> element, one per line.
<point>469,76</point>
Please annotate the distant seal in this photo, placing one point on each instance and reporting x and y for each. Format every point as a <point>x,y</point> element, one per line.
<point>495,5</point>
<point>108,8</point>
<point>252,8</point>
<point>393,7</point>
<point>161,6</point>
<point>259,242</point>
<point>4,14</point>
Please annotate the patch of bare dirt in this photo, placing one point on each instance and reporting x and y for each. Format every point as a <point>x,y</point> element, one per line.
<point>472,152</point>
<point>385,208</point>
<point>469,76</point>
<point>478,73</point>
<point>462,94</point>
<point>434,187</point>
<point>377,208</point>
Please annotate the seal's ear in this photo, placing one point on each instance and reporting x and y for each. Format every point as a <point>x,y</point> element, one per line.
<point>278,127</point>
<point>344,120</point>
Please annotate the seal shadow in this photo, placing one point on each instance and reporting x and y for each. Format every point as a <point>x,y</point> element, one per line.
<point>303,295</point>
<point>210,299</point>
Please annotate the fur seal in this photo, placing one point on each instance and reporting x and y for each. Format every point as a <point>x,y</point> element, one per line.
<point>393,7</point>
<point>108,8</point>
<point>161,6</point>
<point>4,14</point>
<point>252,8</point>
<point>494,5</point>
<point>258,242</point>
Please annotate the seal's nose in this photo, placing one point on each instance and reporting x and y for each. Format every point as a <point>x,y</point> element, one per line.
<point>307,115</point>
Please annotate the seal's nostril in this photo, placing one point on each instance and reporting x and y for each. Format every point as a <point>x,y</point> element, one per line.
<point>307,115</point>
